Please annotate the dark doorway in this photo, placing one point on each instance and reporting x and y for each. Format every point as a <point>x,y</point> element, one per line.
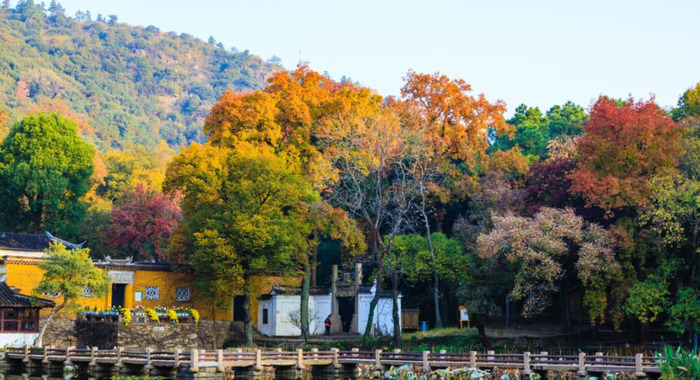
<point>346,309</point>
<point>118,291</point>
<point>238,309</point>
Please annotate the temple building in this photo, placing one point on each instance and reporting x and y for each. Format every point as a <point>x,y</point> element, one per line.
<point>19,316</point>
<point>150,285</point>
<point>347,301</point>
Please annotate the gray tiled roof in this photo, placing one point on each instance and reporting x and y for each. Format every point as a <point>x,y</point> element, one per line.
<point>8,298</point>
<point>32,242</point>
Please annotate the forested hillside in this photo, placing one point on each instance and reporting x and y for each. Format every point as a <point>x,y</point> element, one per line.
<point>122,84</point>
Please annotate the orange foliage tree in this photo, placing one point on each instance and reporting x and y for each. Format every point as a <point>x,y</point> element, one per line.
<point>457,123</point>
<point>625,144</point>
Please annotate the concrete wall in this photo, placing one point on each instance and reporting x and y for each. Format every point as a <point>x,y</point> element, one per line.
<point>383,321</point>
<point>17,339</point>
<point>279,308</point>
<point>207,335</point>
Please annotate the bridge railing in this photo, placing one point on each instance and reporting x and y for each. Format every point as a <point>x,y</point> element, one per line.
<point>222,359</point>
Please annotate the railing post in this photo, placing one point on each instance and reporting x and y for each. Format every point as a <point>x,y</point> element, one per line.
<point>543,357</point>
<point>355,351</point>
<point>472,359</point>
<point>314,353</point>
<point>426,361</point>
<point>148,367</point>
<point>119,363</point>
<point>526,364</point>
<point>68,361</point>
<point>599,356</point>
<point>490,358</point>
<point>258,360</point>
<point>26,353</point>
<point>639,366</point>
<point>378,358</point>
<point>220,361</point>
<point>47,349</point>
<point>194,361</point>
<point>93,356</point>
<point>176,358</point>
<point>582,365</point>
<point>336,362</point>
<point>300,358</point>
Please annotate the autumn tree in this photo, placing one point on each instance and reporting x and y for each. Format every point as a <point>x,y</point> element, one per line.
<point>688,104</point>
<point>546,251</point>
<point>67,272</point>
<point>243,211</point>
<point>372,160</point>
<point>290,115</point>
<point>45,168</point>
<point>142,223</point>
<point>625,144</point>
<point>456,123</point>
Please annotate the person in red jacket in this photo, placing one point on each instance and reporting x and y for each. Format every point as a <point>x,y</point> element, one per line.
<point>327,323</point>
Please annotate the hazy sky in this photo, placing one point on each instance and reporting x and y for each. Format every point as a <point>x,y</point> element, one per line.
<point>535,52</point>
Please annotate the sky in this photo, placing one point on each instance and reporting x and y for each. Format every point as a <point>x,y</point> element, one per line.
<point>539,53</point>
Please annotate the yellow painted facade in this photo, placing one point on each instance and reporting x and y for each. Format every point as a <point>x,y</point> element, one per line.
<point>24,274</point>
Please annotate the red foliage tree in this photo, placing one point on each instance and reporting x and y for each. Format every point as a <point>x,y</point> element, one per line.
<point>143,221</point>
<point>625,144</point>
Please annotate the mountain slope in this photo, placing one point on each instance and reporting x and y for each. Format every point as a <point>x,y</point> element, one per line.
<point>123,84</point>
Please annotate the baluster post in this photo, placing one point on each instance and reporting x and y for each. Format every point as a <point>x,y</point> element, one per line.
<point>176,358</point>
<point>336,362</point>
<point>68,361</point>
<point>526,364</point>
<point>426,361</point>
<point>194,361</point>
<point>472,359</point>
<point>378,358</point>
<point>258,360</point>
<point>300,358</point>
<point>582,372</point>
<point>47,349</point>
<point>639,366</point>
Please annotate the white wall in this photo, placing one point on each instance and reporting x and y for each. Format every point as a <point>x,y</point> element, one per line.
<point>279,308</point>
<point>383,321</point>
<point>17,339</point>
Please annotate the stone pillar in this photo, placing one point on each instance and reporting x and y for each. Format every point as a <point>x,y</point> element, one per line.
<point>355,327</point>
<point>426,361</point>
<point>582,373</point>
<point>336,325</point>
<point>526,365</point>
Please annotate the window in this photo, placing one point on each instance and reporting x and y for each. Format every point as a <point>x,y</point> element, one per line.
<point>265,317</point>
<point>14,320</point>
<point>138,296</point>
<point>182,294</point>
<point>87,292</point>
<point>152,293</point>
<point>52,295</point>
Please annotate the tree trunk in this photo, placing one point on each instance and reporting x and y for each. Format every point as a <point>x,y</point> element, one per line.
<point>380,278</point>
<point>314,267</point>
<point>395,308</point>
<point>436,278</point>
<point>481,328</point>
<point>40,339</point>
<point>247,317</point>
<point>304,305</point>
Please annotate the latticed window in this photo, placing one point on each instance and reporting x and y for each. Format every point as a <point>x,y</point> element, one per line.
<point>13,320</point>
<point>52,295</point>
<point>87,292</point>
<point>182,294</point>
<point>152,293</point>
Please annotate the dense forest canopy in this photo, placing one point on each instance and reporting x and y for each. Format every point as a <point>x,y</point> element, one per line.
<point>122,84</point>
<point>582,216</point>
